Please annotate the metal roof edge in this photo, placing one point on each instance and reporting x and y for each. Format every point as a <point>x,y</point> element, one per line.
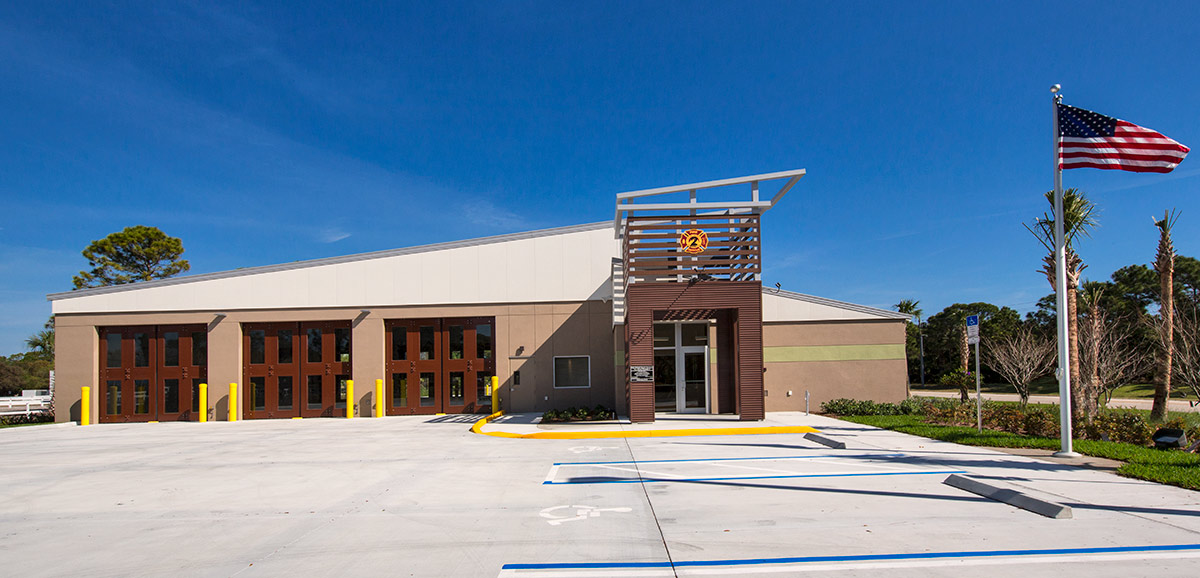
<point>838,304</point>
<point>333,260</point>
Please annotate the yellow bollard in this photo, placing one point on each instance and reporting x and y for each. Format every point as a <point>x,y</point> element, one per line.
<point>233,402</point>
<point>349,398</point>
<point>85,407</point>
<point>203,402</point>
<point>378,398</point>
<point>495,393</point>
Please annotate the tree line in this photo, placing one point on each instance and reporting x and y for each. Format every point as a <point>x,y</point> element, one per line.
<point>1142,325</point>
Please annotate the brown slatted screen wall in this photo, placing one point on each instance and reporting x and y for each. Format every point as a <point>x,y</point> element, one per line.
<point>702,300</point>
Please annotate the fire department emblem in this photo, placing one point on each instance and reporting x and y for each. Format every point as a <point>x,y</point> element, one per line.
<point>693,241</point>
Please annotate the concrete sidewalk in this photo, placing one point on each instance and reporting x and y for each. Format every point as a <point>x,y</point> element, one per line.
<point>1146,404</point>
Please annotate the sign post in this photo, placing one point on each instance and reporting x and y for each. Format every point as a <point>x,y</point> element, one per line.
<point>973,338</point>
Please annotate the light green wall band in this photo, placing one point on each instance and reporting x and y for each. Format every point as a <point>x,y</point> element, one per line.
<point>785,354</point>
<point>834,353</point>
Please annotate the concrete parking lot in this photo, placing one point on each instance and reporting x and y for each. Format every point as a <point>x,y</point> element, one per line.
<point>422,496</point>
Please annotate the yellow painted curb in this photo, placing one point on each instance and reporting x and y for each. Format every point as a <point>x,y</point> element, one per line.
<point>723,431</point>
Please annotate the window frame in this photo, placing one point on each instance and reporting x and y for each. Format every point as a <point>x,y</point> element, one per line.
<point>554,371</point>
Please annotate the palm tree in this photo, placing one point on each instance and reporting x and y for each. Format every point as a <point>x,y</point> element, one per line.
<point>1078,219</point>
<point>1164,263</point>
<point>42,342</point>
<point>910,307</point>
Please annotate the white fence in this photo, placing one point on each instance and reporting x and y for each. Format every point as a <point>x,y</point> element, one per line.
<point>24,405</point>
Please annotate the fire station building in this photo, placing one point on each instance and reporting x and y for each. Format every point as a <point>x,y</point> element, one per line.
<point>662,309</point>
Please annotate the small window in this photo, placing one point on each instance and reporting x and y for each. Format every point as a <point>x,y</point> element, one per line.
<point>427,346</point>
<point>664,335</point>
<point>399,343</point>
<point>572,371</point>
<point>258,346</point>
<point>141,396</point>
<point>258,393</point>
<point>171,349</point>
<point>399,390</point>
<point>200,349</point>
<point>694,334</point>
<point>426,389</point>
<point>340,392</point>
<point>483,341</point>
<point>170,396</point>
<point>113,349</point>
<point>314,345</point>
<point>483,381</point>
<point>315,387</point>
<point>141,352</point>
<point>113,396</point>
<point>196,395</point>
<point>342,345</point>
<point>284,341</point>
<point>285,392</point>
<point>456,342</point>
<point>457,387</point>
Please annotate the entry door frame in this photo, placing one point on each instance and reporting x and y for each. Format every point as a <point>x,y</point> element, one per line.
<point>129,373</point>
<point>680,370</point>
<point>186,372</point>
<point>271,370</point>
<point>681,378</point>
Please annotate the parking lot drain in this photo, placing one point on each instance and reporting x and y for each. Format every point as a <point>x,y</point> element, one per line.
<point>812,437</point>
<point>1009,496</point>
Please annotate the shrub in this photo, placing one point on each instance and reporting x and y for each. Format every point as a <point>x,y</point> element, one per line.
<point>578,414</point>
<point>959,378</point>
<point>1041,422</point>
<point>1120,426</point>
<point>22,419</point>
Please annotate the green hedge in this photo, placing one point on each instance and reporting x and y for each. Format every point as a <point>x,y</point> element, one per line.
<point>1116,425</point>
<point>22,419</point>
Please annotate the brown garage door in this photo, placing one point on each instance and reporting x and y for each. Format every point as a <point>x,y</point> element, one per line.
<point>440,365</point>
<point>152,373</point>
<point>295,369</point>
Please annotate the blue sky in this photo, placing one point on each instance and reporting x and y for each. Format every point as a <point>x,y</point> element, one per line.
<point>262,133</point>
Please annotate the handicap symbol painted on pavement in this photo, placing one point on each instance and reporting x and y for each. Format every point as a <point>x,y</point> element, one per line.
<point>586,449</point>
<point>562,514</point>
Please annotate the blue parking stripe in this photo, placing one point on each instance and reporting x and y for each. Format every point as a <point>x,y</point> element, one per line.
<point>858,557</point>
<point>658,480</point>
<point>727,459</point>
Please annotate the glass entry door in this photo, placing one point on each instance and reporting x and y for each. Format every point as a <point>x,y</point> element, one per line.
<point>681,367</point>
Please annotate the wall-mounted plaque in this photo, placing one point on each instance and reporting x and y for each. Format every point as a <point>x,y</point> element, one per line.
<point>641,373</point>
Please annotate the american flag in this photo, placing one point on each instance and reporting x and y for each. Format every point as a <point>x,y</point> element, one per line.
<point>1092,140</point>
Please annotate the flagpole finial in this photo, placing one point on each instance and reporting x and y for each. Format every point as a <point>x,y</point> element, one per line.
<point>1054,89</point>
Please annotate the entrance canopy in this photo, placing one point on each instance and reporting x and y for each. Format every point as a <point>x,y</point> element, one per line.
<point>628,203</point>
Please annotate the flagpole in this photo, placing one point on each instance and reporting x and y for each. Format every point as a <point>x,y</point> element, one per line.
<point>1060,286</point>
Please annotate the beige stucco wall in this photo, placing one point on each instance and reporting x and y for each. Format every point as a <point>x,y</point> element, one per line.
<point>528,337</point>
<point>833,359</point>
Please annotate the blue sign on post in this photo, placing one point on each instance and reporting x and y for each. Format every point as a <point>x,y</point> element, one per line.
<point>972,329</point>
<point>972,320</point>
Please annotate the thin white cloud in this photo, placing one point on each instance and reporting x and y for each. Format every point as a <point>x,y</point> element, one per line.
<point>484,213</point>
<point>332,235</point>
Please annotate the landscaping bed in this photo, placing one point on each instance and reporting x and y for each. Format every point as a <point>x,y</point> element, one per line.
<point>598,413</point>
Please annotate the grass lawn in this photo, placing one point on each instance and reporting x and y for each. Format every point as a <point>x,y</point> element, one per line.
<point>1166,467</point>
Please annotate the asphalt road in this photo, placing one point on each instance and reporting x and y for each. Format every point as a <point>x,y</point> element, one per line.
<point>1172,405</point>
